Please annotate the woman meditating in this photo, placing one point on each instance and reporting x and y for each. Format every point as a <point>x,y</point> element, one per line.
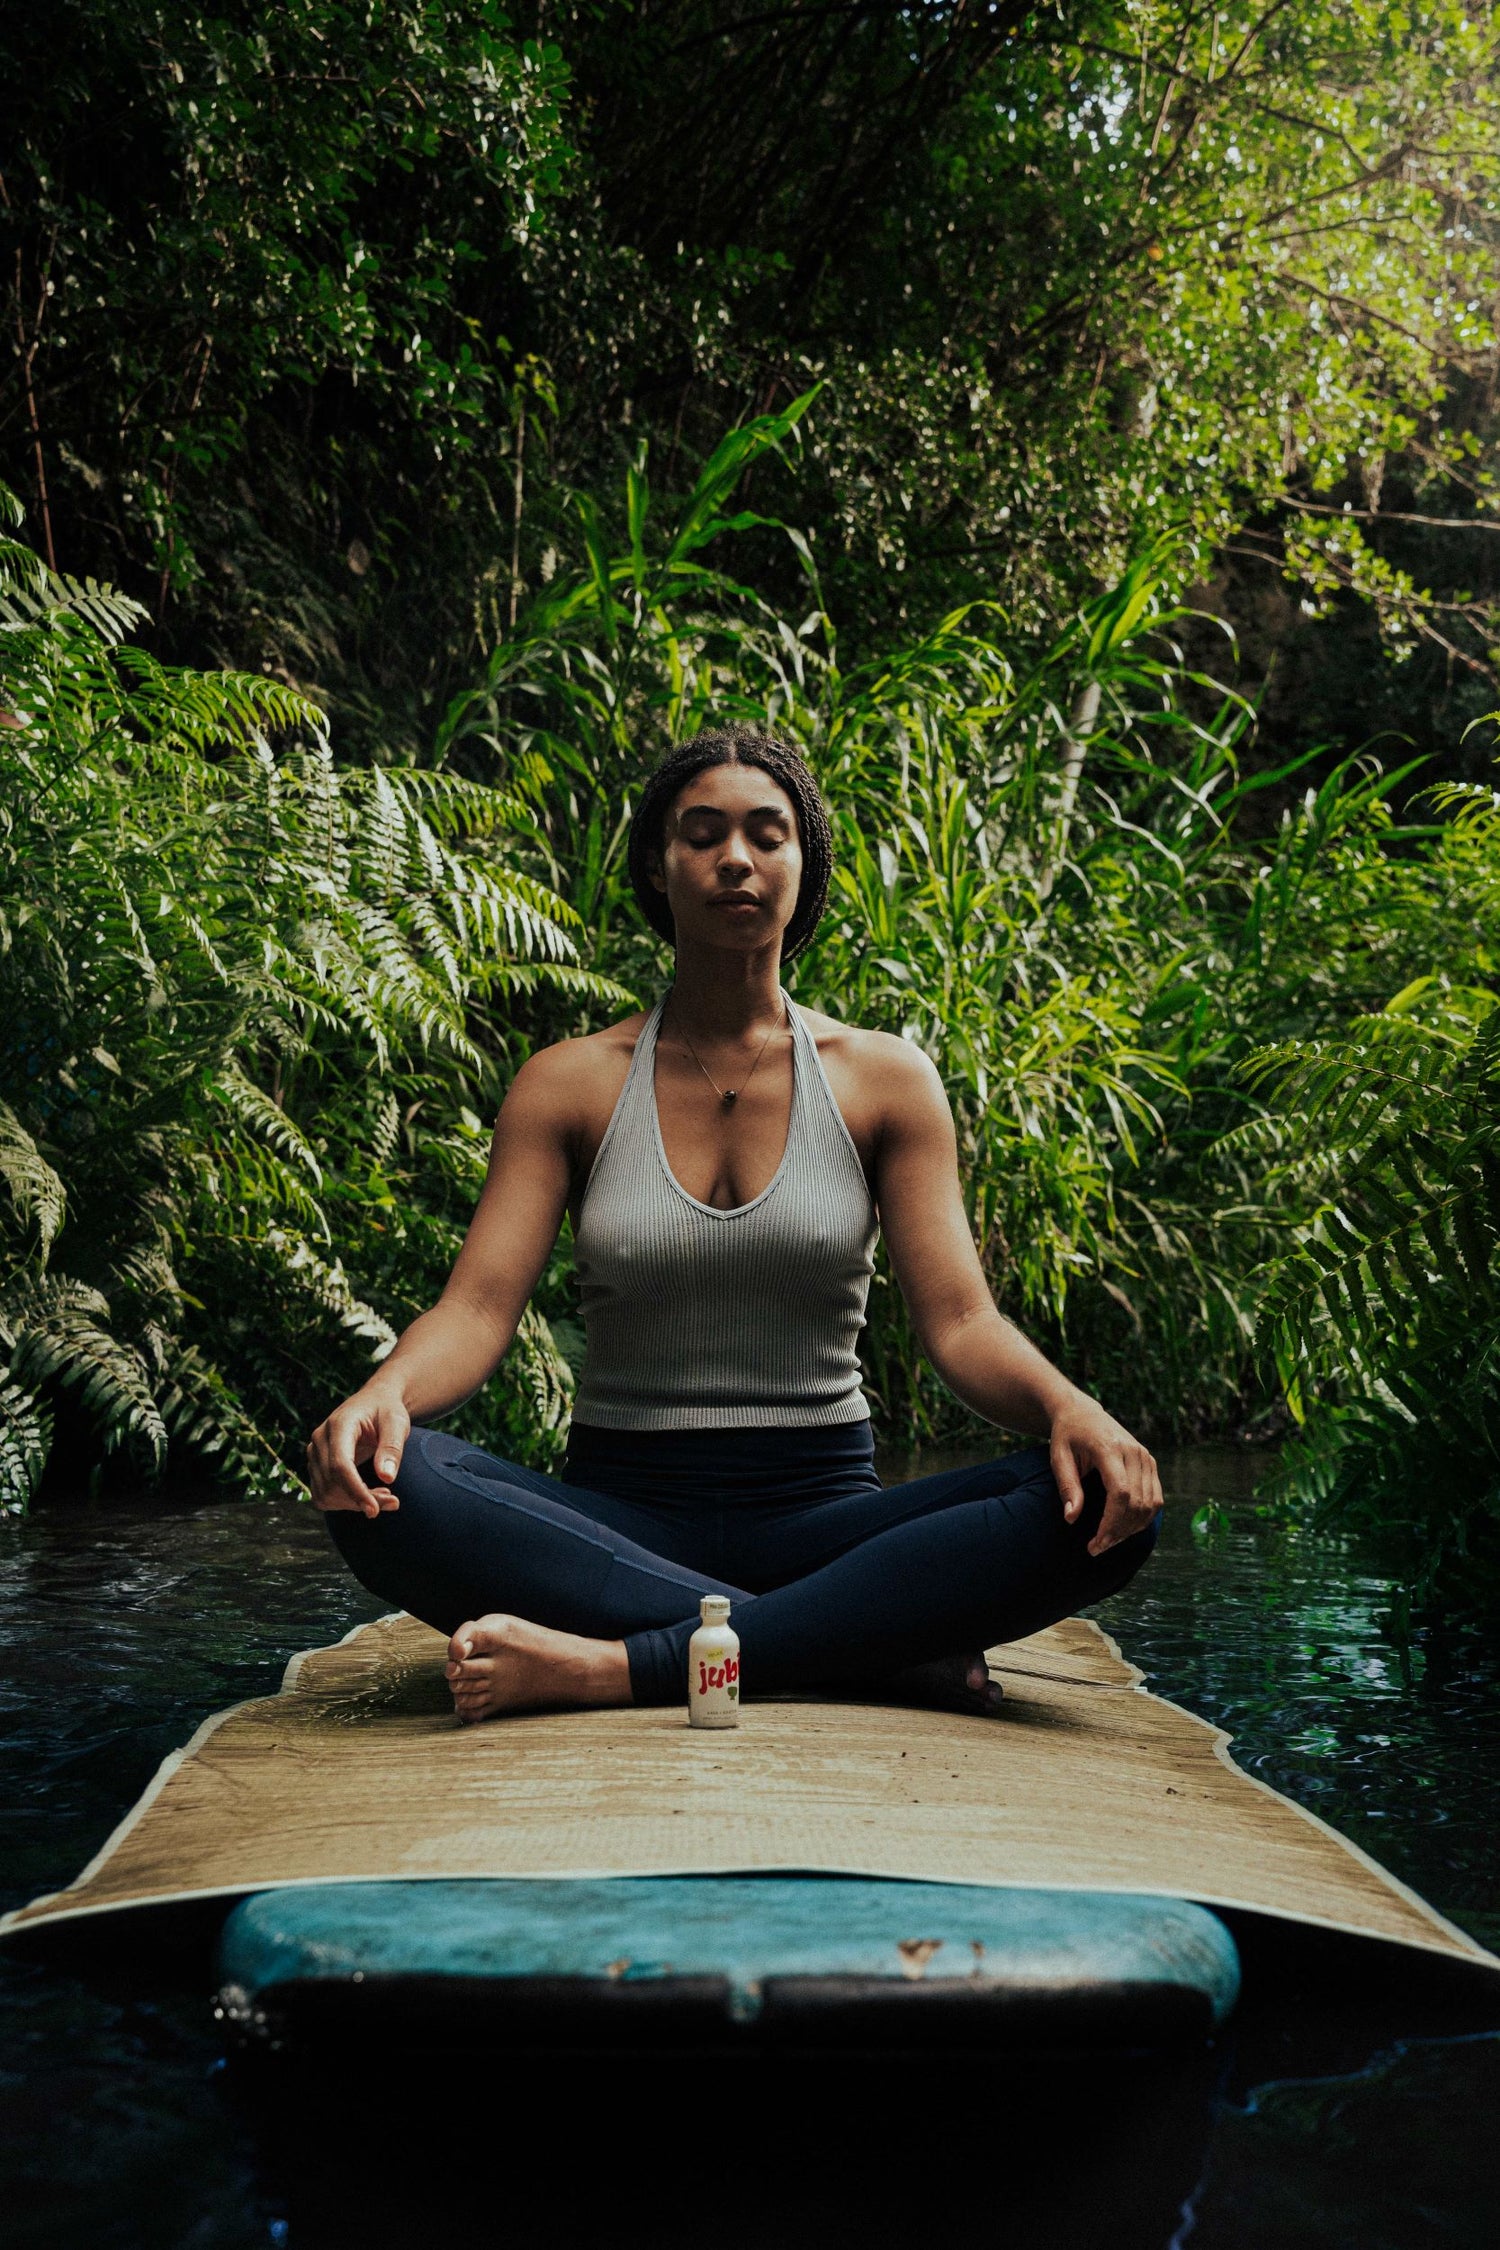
<point>727,1159</point>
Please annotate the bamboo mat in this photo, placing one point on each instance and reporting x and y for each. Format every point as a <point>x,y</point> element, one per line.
<point>357,1771</point>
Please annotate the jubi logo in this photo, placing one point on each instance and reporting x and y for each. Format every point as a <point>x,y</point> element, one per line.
<point>725,1675</point>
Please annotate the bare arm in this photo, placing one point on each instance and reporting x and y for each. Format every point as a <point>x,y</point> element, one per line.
<point>447,1353</point>
<point>982,1358</point>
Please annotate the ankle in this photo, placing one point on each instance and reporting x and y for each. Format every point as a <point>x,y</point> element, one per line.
<point>600,1673</point>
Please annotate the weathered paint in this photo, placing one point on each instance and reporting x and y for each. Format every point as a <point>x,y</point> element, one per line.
<point>741,1932</point>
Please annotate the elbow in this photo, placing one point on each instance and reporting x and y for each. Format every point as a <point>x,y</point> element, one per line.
<point>948,1338</point>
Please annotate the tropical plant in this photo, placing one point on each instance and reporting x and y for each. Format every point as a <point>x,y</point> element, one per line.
<point>251,1012</point>
<point>1039,881</point>
<point>1384,1316</point>
<point>256,1007</point>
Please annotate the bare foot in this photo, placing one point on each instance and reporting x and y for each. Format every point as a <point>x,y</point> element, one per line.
<point>949,1683</point>
<point>502,1663</point>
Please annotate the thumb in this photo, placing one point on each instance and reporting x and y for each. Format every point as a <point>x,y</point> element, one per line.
<point>1069,1483</point>
<point>392,1427</point>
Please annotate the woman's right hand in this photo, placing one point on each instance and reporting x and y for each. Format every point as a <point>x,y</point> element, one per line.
<point>371,1426</point>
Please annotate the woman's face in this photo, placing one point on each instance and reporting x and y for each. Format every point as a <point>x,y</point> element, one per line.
<point>731,863</point>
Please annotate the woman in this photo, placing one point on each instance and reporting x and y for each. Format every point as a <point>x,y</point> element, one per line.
<point>724,1158</point>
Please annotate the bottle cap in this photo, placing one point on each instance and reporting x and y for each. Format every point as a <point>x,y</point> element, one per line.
<point>714,1608</point>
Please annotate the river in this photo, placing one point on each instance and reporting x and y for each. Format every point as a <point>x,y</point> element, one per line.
<point>122,1627</point>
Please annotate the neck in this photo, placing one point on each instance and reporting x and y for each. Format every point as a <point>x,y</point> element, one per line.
<point>719,995</point>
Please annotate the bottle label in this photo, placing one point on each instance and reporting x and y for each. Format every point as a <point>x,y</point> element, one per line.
<point>713,1682</point>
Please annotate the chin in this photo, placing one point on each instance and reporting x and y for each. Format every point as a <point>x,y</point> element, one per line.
<point>735,933</point>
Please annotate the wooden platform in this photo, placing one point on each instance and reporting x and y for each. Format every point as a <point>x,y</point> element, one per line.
<point>357,1771</point>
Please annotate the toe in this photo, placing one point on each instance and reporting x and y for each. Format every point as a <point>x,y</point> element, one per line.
<point>490,1632</point>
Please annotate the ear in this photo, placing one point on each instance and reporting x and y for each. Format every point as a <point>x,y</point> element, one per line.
<point>654,871</point>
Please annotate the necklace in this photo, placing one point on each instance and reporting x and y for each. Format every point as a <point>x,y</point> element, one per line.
<point>730,1097</point>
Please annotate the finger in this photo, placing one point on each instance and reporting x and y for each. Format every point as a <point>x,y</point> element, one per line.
<point>326,1494</point>
<point>343,1477</point>
<point>1145,1490</point>
<point>1116,1516</point>
<point>1135,1473</point>
<point>1069,1482</point>
<point>1134,1496</point>
<point>392,1427</point>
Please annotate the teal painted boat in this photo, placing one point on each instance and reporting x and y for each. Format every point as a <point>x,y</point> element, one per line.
<point>750,1961</point>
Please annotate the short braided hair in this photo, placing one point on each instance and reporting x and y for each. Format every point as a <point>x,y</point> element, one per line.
<point>735,746</point>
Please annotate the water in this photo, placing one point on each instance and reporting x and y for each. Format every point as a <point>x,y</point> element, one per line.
<point>121,1629</point>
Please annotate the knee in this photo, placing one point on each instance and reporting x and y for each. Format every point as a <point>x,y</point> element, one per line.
<point>415,1473</point>
<point>1130,1553</point>
<point>365,1541</point>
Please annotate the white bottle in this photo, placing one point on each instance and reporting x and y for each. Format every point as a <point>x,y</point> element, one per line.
<point>714,1667</point>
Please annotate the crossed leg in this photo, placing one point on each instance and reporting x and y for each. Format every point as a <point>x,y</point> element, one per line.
<point>553,1595</point>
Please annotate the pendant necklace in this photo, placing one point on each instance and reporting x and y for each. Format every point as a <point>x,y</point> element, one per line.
<point>728,1099</point>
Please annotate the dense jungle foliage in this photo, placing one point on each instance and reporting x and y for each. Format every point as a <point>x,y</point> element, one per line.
<point>1110,461</point>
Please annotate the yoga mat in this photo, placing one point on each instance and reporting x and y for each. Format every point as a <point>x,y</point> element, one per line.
<point>357,1771</point>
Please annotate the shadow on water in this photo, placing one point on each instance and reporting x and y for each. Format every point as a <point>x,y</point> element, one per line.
<point>784,2156</point>
<point>1349,2118</point>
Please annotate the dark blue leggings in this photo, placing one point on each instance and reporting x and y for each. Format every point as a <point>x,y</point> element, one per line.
<point>833,1577</point>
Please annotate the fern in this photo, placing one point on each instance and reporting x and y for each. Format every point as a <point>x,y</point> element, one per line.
<point>25,1440</point>
<point>542,1369</point>
<point>234,983</point>
<point>58,1336</point>
<point>35,1188</point>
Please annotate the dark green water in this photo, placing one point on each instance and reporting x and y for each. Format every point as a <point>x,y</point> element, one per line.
<point>121,1630</point>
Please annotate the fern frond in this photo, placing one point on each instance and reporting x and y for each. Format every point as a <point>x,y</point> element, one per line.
<point>205,1419</point>
<point>325,1283</point>
<point>542,1369</point>
<point>25,1441</point>
<point>58,1337</point>
<point>35,1188</point>
<point>264,1118</point>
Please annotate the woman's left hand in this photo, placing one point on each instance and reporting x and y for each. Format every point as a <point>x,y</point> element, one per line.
<point>1084,1437</point>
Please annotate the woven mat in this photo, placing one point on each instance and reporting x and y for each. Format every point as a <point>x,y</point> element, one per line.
<point>357,1771</point>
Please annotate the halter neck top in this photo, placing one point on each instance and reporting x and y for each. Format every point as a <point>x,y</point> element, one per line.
<point>698,1318</point>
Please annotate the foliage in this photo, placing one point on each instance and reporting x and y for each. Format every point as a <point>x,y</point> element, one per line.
<point>250,1008</point>
<point>1385,1318</point>
<point>250,252</point>
<point>1039,881</point>
<point>321,321</point>
<point>256,1007</point>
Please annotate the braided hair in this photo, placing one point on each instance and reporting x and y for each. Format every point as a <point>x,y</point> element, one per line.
<point>734,746</point>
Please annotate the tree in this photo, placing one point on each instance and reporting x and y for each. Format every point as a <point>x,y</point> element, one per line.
<point>1068,275</point>
<point>247,249</point>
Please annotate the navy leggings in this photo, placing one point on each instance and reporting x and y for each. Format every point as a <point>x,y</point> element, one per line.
<point>833,1577</point>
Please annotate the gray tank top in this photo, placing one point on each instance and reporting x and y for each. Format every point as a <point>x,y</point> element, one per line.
<point>698,1318</point>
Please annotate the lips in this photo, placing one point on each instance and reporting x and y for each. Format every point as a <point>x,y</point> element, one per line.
<point>733,899</point>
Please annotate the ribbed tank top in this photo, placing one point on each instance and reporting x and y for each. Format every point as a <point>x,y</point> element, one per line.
<point>698,1318</point>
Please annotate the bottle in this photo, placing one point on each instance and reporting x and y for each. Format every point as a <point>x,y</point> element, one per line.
<point>714,1667</point>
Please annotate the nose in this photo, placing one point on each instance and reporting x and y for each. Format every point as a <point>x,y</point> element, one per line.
<point>734,859</point>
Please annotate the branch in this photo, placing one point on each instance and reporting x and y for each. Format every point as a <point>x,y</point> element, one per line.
<point>1390,515</point>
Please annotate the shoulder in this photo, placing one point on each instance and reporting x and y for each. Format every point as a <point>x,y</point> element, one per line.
<point>885,1079</point>
<point>568,1081</point>
<point>870,1053</point>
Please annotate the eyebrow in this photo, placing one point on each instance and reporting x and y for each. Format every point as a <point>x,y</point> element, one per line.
<point>756,812</point>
